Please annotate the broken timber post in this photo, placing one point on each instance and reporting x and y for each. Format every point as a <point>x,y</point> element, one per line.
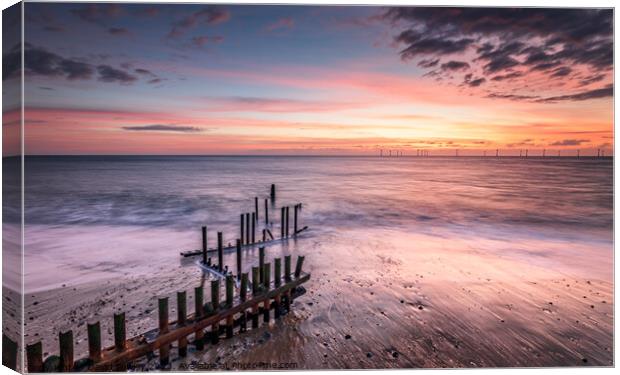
<point>256,209</point>
<point>220,252</point>
<point>181,317</point>
<point>282,222</point>
<point>243,293</point>
<point>273,193</point>
<point>204,245</point>
<point>120,333</point>
<point>255,292</point>
<point>261,263</point>
<point>287,268</point>
<point>164,350</point>
<point>94,341</point>
<point>253,227</point>
<point>300,262</point>
<point>34,357</point>
<point>66,351</point>
<point>266,213</point>
<point>9,352</point>
<point>199,311</point>
<point>238,258</point>
<point>242,231</point>
<point>215,303</point>
<point>295,219</point>
<point>277,268</point>
<point>266,286</point>
<point>247,228</point>
<point>230,285</point>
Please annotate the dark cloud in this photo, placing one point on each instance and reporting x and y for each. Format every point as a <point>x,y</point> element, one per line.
<point>110,74</point>
<point>98,14</point>
<point>570,142</point>
<point>39,61</point>
<point>163,128</point>
<point>428,63</point>
<point>118,31</point>
<point>561,71</point>
<point>144,72</point>
<point>155,80</point>
<point>591,79</point>
<point>454,66</point>
<point>507,76</point>
<point>210,15</point>
<point>476,82</point>
<point>515,97</point>
<point>76,69</point>
<point>605,92</point>
<point>510,42</point>
<point>419,44</point>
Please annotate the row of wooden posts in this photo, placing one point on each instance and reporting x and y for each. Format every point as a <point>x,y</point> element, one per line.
<point>273,293</point>
<point>249,220</point>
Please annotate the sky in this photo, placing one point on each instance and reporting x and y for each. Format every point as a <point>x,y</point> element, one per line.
<point>298,80</point>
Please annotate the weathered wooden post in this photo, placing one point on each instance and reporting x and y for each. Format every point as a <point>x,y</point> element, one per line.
<point>204,245</point>
<point>255,292</point>
<point>287,268</point>
<point>295,220</point>
<point>220,252</point>
<point>282,222</point>
<point>243,295</point>
<point>242,231</point>
<point>266,213</point>
<point>230,321</point>
<point>273,193</point>
<point>238,258</point>
<point>253,227</point>
<point>66,351</point>
<point>264,235</point>
<point>120,332</point>
<point>256,209</point>
<point>181,320</point>
<point>164,350</point>
<point>300,262</point>
<point>287,226</point>
<point>215,302</point>
<point>266,286</point>
<point>261,263</point>
<point>277,272</point>
<point>94,341</point>
<point>247,228</point>
<point>199,312</point>
<point>34,357</point>
<point>9,352</point>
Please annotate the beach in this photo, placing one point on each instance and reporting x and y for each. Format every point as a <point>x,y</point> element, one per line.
<point>415,262</point>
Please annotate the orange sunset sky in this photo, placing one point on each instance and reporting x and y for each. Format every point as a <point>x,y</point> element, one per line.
<point>201,79</point>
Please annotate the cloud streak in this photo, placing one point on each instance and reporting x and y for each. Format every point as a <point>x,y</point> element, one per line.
<point>163,128</point>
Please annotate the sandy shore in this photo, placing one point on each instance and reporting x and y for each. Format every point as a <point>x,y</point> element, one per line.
<point>380,299</point>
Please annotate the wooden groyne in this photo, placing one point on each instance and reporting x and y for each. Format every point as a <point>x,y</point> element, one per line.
<point>244,304</point>
<point>248,225</point>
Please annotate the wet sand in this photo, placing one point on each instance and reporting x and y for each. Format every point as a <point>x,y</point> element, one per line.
<point>379,299</point>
